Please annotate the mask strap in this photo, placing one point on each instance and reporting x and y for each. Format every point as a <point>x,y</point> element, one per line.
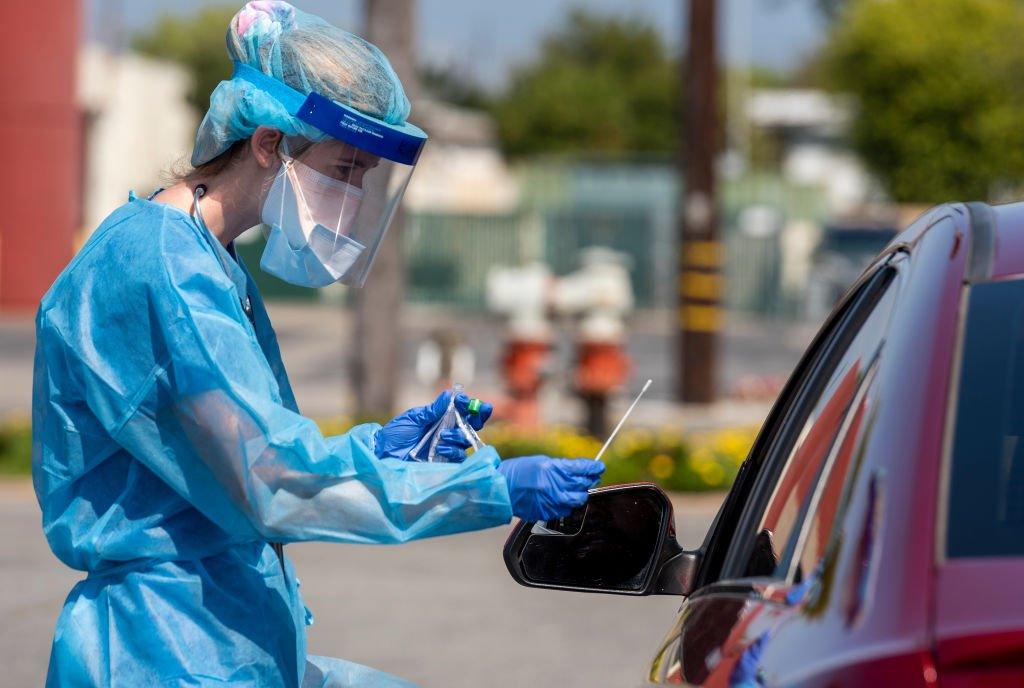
<point>344,202</point>
<point>288,169</point>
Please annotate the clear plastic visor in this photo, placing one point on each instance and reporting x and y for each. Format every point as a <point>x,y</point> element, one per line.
<point>332,203</point>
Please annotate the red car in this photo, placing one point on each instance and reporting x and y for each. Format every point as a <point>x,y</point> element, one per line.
<point>875,534</point>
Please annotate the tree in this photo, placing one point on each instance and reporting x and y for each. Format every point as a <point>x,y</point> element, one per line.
<point>831,8</point>
<point>598,84</point>
<point>197,43</point>
<point>452,84</point>
<point>940,92</point>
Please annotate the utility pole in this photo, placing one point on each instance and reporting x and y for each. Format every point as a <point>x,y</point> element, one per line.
<point>700,258</point>
<point>377,335</point>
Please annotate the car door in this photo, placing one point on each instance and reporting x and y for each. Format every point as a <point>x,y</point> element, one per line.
<point>978,605</point>
<point>771,539</point>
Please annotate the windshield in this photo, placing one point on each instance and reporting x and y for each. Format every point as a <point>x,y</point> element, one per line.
<point>986,485</point>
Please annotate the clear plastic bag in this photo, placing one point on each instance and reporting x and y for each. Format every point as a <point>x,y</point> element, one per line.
<point>426,448</point>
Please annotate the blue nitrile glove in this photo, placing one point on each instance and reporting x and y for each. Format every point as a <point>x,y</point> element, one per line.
<point>396,439</point>
<point>542,488</point>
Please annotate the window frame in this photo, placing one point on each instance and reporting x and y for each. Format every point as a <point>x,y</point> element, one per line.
<point>943,553</point>
<point>725,554</point>
<point>791,557</point>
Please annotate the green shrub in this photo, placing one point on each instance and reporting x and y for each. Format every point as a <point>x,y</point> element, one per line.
<point>677,461</point>
<point>15,448</point>
<point>687,463</point>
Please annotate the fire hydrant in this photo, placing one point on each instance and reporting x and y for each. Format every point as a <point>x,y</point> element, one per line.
<point>600,295</point>
<point>523,295</point>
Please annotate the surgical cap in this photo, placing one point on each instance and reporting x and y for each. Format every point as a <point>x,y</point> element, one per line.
<point>308,54</point>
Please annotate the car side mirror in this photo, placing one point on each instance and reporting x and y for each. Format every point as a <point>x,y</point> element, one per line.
<point>622,541</point>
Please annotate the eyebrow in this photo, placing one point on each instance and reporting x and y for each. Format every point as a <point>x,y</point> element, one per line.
<point>357,161</point>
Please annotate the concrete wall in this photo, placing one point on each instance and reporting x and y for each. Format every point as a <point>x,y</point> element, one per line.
<point>138,126</point>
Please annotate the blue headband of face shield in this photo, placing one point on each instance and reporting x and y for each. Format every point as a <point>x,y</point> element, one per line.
<point>401,143</point>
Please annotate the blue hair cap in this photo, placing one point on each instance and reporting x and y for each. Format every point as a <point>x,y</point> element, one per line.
<point>307,54</point>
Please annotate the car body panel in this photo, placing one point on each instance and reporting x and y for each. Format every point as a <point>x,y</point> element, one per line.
<point>978,632</point>
<point>867,619</point>
<point>979,612</point>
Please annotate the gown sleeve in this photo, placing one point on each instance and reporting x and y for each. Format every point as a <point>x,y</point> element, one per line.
<point>210,421</point>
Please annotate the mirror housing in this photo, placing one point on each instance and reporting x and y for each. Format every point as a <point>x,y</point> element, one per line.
<point>622,541</point>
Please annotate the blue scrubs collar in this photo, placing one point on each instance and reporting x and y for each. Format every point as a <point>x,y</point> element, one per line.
<point>226,256</point>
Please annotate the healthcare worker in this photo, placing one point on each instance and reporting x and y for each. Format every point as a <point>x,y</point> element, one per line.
<point>169,458</point>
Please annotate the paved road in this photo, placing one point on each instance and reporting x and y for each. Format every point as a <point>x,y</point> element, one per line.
<point>444,613</point>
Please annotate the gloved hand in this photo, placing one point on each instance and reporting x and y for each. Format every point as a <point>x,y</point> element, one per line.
<point>542,488</point>
<point>396,439</point>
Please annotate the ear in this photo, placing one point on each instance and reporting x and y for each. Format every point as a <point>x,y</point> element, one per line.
<point>264,143</point>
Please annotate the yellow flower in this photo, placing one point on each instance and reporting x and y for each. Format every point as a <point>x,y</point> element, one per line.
<point>734,443</point>
<point>712,474</point>
<point>701,456</point>
<point>642,438</point>
<point>662,466</point>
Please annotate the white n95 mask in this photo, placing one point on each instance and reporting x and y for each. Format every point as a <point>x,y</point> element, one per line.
<point>310,215</point>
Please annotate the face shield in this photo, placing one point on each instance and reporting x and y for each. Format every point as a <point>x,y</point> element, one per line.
<point>332,199</point>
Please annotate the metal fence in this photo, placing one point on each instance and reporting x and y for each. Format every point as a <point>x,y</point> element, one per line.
<point>628,208</point>
<point>754,257</point>
<point>448,256</point>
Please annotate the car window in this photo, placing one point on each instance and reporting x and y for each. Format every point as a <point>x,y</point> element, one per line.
<point>985,513</point>
<point>809,547</point>
<point>798,462</point>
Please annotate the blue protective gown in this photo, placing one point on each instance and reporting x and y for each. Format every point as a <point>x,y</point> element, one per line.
<point>168,451</point>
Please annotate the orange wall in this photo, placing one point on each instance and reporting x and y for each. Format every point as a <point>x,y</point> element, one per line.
<point>40,142</point>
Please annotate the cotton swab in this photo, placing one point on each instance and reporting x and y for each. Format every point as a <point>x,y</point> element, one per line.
<point>622,422</point>
<point>540,527</point>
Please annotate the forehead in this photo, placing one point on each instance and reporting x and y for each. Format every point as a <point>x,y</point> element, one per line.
<point>333,152</point>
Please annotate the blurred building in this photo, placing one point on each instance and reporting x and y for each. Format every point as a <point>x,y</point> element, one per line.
<point>811,128</point>
<point>40,132</point>
<point>138,126</point>
<point>847,246</point>
<point>89,125</point>
<point>461,170</point>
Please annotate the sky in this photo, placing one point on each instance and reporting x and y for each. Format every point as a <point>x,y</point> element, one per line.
<point>485,39</point>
